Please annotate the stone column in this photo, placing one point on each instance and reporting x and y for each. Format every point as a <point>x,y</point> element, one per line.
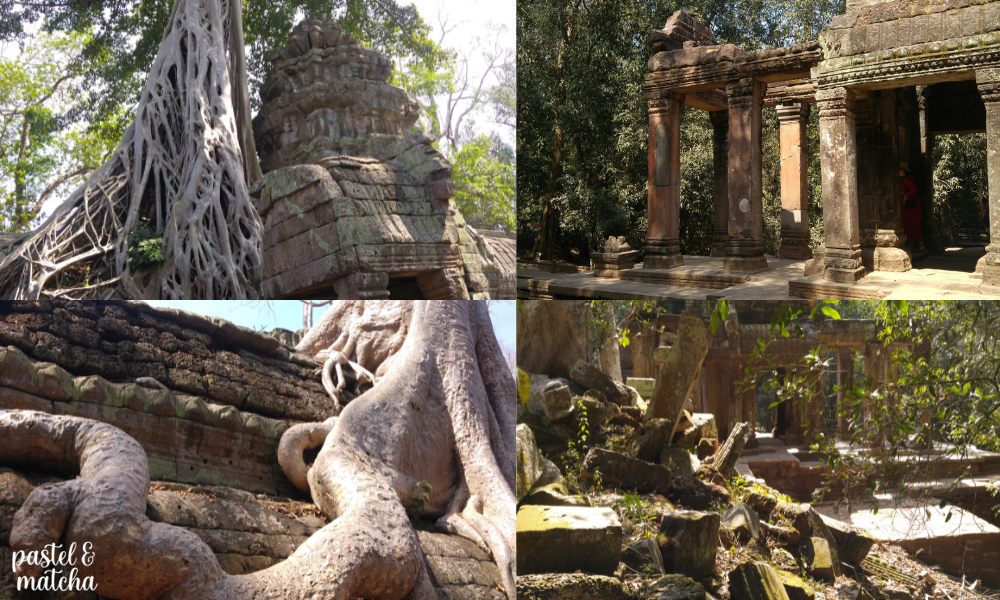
<point>840,187</point>
<point>749,415</point>
<point>989,89</point>
<point>720,155</point>
<point>925,183</point>
<point>797,411</point>
<point>845,379</point>
<point>745,246</point>
<point>792,120</point>
<point>663,249</point>
<point>890,247</point>
<point>816,408</point>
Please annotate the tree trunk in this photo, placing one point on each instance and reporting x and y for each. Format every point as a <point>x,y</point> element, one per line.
<point>183,167</point>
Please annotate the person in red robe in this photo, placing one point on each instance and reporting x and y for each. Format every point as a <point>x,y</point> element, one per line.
<point>912,210</point>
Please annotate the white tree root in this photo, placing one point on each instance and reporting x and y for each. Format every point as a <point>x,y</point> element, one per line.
<point>435,416</point>
<point>180,166</point>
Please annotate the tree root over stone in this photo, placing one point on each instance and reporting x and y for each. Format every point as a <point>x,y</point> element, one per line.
<point>183,166</point>
<point>442,413</point>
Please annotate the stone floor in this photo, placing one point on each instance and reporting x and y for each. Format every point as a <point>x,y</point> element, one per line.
<point>947,276</point>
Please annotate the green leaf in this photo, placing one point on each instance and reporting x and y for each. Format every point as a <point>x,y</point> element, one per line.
<point>831,312</point>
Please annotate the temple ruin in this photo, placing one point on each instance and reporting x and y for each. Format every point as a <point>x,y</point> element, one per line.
<point>887,77</point>
<point>355,203</point>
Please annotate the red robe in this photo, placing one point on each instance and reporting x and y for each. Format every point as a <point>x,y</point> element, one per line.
<point>911,216</point>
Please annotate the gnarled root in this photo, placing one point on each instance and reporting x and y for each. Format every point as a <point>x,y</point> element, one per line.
<point>294,442</point>
<point>437,419</point>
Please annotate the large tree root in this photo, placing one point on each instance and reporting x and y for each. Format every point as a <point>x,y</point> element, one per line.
<point>183,166</point>
<point>442,414</point>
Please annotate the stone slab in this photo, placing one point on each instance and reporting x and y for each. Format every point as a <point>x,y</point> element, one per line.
<point>564,539</point>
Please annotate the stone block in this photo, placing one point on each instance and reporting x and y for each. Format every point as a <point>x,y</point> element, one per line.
<point>702,426</point>
<point>644,557</point>
<point>743,521</point>
<point>626,472</point>
<point>681,369</point>
<point>678,460</point>
<point>688,542</point>
<point>674,587</point>
<point>570,586</point>
<point>590,377</point>
<point>756,581</point>
<point>529,461</point>
<point>795,587</point>
<point>646,442</point>
<point>549,397</point>
<point>853,543</point>
<point>643,385</point>
<point>817,558</point>
<point>567,539</point>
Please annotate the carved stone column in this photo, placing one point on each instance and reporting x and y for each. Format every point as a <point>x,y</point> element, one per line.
<point>663,249</point>
<point>845,380</point>
<point>720,155</point>
<point>989,89</point>
<point>745,246</point>
<point>838,150</point>
<point>926,181</point>
<point>792,120</point>
<point>890,241</point>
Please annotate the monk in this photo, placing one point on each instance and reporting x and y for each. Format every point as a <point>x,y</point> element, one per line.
<point>912,210</point>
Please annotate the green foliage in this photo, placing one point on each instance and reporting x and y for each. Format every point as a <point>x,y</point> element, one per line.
<point>485,183</point>
<point>144,247</point>
<point>580,76</point>
<point>418,502</point>
<point>961,189</point>
<point>577,448</point>
<point>44,146</point>
<point>635,513</point>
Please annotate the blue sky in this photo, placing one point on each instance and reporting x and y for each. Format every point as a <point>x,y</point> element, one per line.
<point>288,314</point>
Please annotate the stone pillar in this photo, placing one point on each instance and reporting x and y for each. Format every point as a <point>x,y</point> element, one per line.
<point>663,249</point>
<point>890,241</point>
<point>796,411</point>
<point>643,344</point>
<point>925,184</point>
<point>989,89</point>
<point>840,188</point>
<point>720,155</point>
<point>745,246</point>
<point>792,120</point>
<point>845,380</point>
<point>719,399</point>
<point>749,415</point>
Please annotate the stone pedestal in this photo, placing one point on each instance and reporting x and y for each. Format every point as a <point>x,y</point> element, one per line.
<point>840,188</point>
<point>663,249</point>
<point>989,88</point>
<point>745,246</point>
<point>720,159</point>
<point>608,264</point>
<point>792,119</point>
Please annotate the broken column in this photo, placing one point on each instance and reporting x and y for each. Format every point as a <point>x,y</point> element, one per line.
<point>681,370</point>
<point>745,246</point>
<point>663,249</point>
<point>989,88</point>
<point>840,188</point>
<point>792,119</point>
<point>720,159</point>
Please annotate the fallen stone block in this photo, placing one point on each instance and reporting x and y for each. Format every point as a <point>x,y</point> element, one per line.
<point>589,377</point>
<point>795,587</point>
<point>647,441</point>
<point>554,494</point>
<point>725,459</point>
<point>529,461</point>
<point>743,521</point>
<point>564,539</point>
<point>702,426</point>
<point>626,472</point>
<point>678,460</point>
<point>674,587</point>
<point>853,543</point>
<point>549,397</point>
<point>688,542</point>
<point>756,581</point>
<point>817,558</point>
<point>707,447</point>
<point>852,590</point>
<point>643,385</point>
<point>570,586</point>
<point>644,557</point>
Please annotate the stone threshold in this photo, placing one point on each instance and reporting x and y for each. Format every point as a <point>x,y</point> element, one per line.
<point>915,284</point>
